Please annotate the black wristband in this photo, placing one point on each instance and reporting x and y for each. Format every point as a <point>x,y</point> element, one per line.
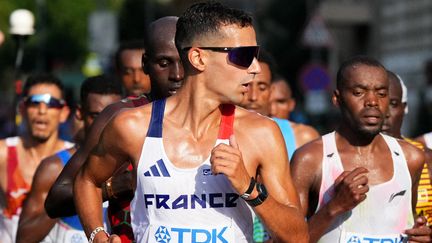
<point>262,196</point>
<point>248,192</point>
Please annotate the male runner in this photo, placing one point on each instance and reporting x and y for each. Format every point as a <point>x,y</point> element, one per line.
<point>162,63</point>
<point>355,184</point>
<point>43,108</point>
<point>34,224</point>
<point>282,102</point>
<point>258,99</point>
<point>392,126</point>
<point>128,67</point>
<point>188,189</point>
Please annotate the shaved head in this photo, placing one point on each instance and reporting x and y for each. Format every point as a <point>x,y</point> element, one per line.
<point>160,30</point>
<point>161,60</point>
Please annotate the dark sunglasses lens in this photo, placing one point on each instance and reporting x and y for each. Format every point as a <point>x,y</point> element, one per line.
<point>55,103</point>
<point>50,102</point>
<point>243,56</point>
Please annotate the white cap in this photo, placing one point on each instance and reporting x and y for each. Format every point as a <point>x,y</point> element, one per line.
<point>404,93</point>
<point>21,22</point>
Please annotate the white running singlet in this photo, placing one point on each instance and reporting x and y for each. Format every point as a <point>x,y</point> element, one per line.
<point>186,205</point>
<point>383,215</point>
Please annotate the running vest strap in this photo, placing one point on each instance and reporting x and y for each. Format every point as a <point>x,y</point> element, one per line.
<point>288,135</point>
<point>386,211</point>
<point>186,204</point>
<point>72,221</point>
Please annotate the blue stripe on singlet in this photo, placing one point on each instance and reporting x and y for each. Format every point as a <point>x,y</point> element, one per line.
<point>155,127</point>
<point>162,168</point>
<point>72,221</point>
<point>288,134</point>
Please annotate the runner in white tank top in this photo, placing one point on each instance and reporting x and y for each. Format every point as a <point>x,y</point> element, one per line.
<point>186,205</point>
<point>220,61</point>
<point>384,214</point>
<point>355,184</point>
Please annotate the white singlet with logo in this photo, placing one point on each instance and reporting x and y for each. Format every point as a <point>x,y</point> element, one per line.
<point>385,213</point>
<point>185,205</point>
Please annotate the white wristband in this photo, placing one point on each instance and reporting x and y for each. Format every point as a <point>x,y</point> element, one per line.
<point>94,233</point>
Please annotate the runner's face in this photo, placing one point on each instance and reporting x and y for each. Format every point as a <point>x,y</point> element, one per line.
<point>258,96</point>
<point>135,81</point>
<point>165,68</point>
<point>395,114</point>
<point>94,105</point>
<point>364,98</point>
<point>281,102</point>
<point>43,121</point>
<point>227,80</point>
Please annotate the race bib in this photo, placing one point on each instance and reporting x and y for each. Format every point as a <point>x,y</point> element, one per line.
<point>171,234</point>
<point>350,237</point>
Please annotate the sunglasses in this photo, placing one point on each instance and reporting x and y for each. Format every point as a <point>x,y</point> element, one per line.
<point>242,56</point>
<point>51,102</point>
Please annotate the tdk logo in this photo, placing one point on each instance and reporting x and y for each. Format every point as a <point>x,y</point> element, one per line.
<point>357,239</point>
<point>211,200</point>
<point>180,235</point>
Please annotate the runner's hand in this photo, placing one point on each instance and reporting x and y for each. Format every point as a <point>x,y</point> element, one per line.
<point>420,232</point>
<point>350,189</point>
<point>227,160</point>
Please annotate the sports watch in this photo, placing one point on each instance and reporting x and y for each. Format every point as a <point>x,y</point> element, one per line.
<point>262,196</point>
<point>248,192</point>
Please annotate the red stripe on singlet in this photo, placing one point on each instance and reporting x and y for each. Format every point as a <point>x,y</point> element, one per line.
<point>227,121</point>
<point>12,163</point>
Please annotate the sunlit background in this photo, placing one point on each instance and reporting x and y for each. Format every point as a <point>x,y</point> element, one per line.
<point>309,39</point>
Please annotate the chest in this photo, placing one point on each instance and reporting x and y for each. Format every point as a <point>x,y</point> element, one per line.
<point>380,165</point>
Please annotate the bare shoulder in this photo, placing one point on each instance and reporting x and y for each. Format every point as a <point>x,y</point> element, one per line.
<point>127,129</point>
<point>253,125</point>
<point>411,151</point>
<point>304,133</point>
<point>309,155</point>
<point>52,165</point>
<point>415,156</point>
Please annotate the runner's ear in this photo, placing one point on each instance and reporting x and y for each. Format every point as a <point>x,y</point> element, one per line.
<point>197,58</point>
<point>336,98</point>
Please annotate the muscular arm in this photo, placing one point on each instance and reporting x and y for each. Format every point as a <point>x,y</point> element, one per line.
<point>59,202</point>
<point>415,159</point>
<point>281,211</point>
<point>306,172</point>
<point>116,146</point>
<point>34,223</point>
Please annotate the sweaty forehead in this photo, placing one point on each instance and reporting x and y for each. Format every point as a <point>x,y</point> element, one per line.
<point>365,75</point>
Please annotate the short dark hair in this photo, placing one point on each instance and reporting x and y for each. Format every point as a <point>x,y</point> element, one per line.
<point>356,60</point>
<point>205,18</point>
<point>101,84</point>
<point>267,58</point>
<point>42,78</point>
<point>127,45</point>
